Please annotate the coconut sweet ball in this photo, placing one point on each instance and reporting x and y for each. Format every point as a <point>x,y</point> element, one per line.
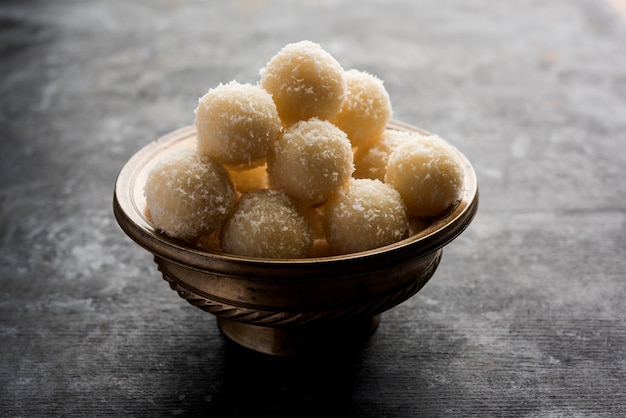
<point>363,215</point>
<point>311,161</point>
<point>188,194</point>
<point>370,160</point>
<point>365,110</point>
<point>235,123</point>
<point>427,175</point>
<point>266,223</point>
<point>305,81</point>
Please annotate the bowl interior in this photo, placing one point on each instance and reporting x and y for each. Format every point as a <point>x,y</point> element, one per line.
<point>131,212</point>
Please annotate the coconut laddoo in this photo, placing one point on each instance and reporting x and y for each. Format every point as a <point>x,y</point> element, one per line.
<point>305,81</point>
<point>370,160</point>
<point>188,194</point>
<point>235,123</point>
<point>365,214</point>
<point>266,223</point>
<point>427,175</point>
<point>312,159</point>
<point>365,110</point>
<point>308,152</point>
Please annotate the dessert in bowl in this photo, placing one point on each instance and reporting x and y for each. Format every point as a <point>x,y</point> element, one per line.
<point>296,210</point>
<point>289,306</point>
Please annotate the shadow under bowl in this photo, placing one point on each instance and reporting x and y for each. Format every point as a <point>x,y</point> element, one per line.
<point>296,306</point>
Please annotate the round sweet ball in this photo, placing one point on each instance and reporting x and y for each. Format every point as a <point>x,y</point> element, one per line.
<point>428,176</point>
<point>311,161</point>
<point>305,81</point>
<point>365,110</point>
<point>266,223</point>
<point>188,194</point>
<point>370,160</point>
<point>235,123</point>
<point>363,215</point>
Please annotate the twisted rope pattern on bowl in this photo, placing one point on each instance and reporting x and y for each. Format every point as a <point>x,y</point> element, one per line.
<point>297,318</point>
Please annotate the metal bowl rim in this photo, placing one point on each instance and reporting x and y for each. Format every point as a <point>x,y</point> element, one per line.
<point>137,227</point>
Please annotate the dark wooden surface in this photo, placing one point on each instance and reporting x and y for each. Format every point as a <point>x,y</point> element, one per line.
<point>525,315</point>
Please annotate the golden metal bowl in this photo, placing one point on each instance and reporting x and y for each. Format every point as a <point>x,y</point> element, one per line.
<point>289,307</point>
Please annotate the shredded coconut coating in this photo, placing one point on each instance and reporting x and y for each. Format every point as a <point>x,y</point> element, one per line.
<point>188,194</point>
<point>370,160</point>
<point>427,175</point>
<point>309,157</point>
<point>365,110</point>
<point>311,161</point>
<point>236,122</point>
<point>363,215</point>
<point>266,223</point>
<point>305,81</point>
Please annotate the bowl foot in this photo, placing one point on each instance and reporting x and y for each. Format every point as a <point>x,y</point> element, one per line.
<point>286,341</point>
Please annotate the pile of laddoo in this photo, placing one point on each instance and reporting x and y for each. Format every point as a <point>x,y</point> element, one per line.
<point>301,164</point>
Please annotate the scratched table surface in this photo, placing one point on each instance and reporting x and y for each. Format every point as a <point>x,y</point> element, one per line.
<point>524,317</point>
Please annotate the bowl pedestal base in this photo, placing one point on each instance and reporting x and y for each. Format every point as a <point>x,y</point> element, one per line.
<point>289,332</point>
<point>295,341</point>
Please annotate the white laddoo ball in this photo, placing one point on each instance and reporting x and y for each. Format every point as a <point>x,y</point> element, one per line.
<point>266,223</point>
<point>370,160</point>
<point>236,123</point>
<point>305,81</point>
<point>427,174</point>
<point>188,194</point>
<point>365,110</point>
<point>365,214</point>
<point>310,161</point>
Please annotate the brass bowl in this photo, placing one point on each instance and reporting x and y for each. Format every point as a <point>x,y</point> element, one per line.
<point>289,307</point>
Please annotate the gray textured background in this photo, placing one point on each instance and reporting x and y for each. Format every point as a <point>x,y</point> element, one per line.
<point>525,315</point>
